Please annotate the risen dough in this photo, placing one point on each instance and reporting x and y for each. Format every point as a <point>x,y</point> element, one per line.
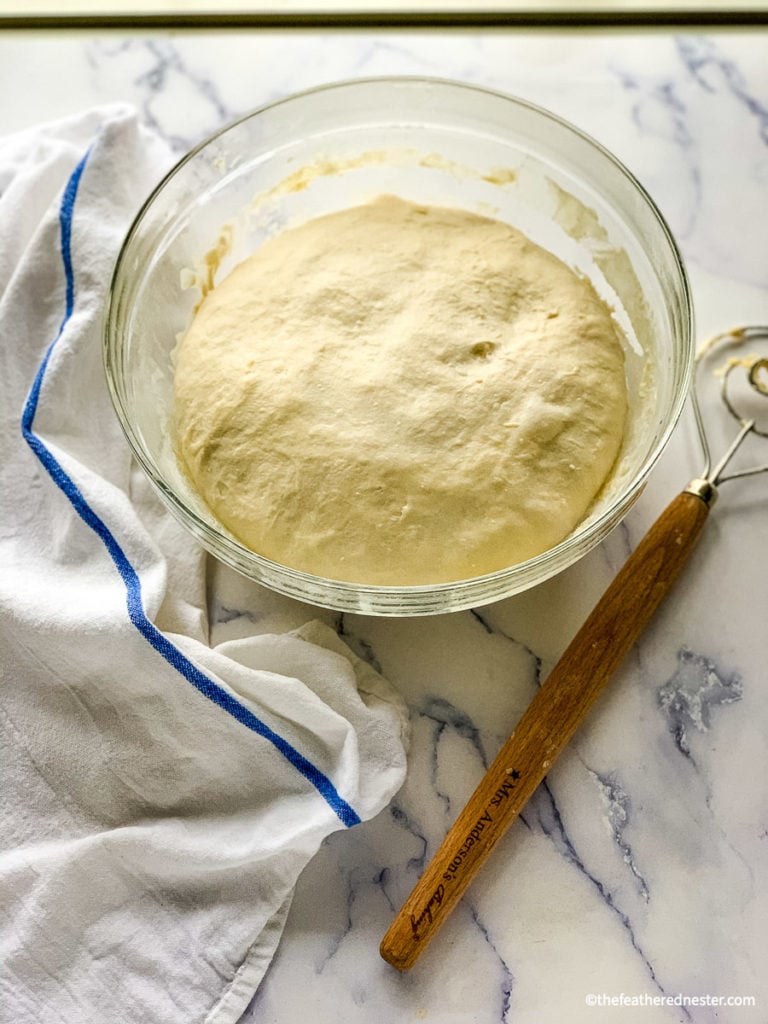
<point>399,394</point>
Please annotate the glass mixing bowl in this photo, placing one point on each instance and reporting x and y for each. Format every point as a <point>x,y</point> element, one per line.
<point>427,140</point>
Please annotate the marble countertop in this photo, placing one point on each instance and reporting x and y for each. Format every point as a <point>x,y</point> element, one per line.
<point>641,864</point>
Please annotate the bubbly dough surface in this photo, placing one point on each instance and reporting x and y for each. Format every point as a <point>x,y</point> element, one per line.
<point>399,394</point>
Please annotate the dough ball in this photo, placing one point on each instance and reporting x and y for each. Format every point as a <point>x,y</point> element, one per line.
<point>399,394</point>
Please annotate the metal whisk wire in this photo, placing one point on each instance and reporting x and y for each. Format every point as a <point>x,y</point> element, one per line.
<point>755,367</point>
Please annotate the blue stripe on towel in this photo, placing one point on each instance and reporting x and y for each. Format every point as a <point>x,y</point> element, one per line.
<point>134,601</point>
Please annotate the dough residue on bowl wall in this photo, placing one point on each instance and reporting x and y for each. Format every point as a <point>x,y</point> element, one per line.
<point>580,222</point>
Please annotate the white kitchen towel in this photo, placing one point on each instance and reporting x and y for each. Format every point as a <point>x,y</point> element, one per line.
<point>159,798</point>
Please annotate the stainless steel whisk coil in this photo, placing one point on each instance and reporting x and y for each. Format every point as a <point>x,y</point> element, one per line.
<point>756,371</point>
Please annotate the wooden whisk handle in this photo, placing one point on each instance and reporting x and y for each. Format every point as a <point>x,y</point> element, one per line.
<point>547,725</point>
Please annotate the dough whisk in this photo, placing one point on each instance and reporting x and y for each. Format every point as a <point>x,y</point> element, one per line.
<point>589,661</point>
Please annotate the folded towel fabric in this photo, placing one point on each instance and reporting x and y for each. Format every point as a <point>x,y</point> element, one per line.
<point>159,798</point>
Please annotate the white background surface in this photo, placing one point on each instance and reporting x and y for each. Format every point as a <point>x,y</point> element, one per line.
<point>323,7</point>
